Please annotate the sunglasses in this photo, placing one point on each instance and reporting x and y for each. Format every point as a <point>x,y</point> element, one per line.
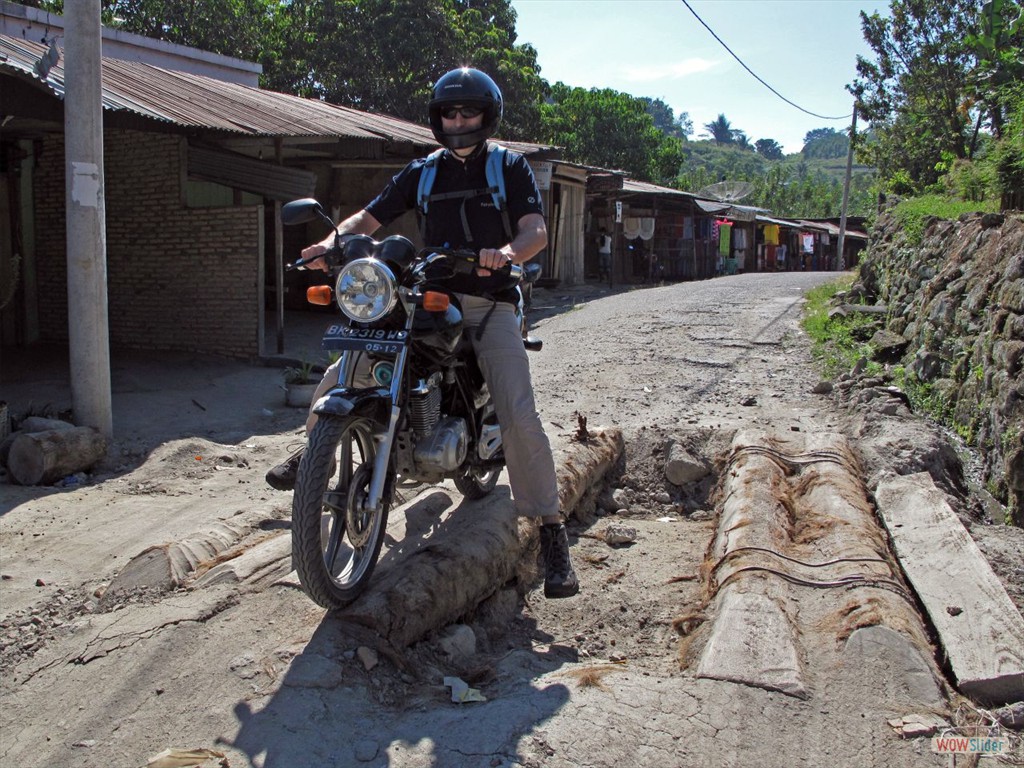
<point>449,113</point>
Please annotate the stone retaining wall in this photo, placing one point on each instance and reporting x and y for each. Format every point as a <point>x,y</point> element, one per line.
<point>958,300</point>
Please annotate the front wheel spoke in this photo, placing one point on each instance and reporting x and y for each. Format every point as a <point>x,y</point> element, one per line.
<point>334,543</point>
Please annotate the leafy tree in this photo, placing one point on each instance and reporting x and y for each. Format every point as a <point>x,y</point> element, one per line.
<point>913,93</point>
<point>769,149</point>
<point>609,129</point>
<point>706,162</point>
<point>999,48</point>
<point>384,55</point>
<point>240,28</point>
<point>825,143</point>
<point>818,133</point>
<point>721,130</point>
<point>790,189</point>
<point>665,119</point>
<point>376,55</point>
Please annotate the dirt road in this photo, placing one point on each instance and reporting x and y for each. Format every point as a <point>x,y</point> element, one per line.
<point>100,670</point>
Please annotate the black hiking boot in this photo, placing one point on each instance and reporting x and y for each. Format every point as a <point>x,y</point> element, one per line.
<point>559,577</point>
<point>282,477</point>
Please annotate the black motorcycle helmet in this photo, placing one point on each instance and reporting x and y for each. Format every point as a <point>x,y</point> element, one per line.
<point>471,88</point>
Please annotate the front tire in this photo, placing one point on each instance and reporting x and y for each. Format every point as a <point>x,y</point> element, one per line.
<point>335,539</point>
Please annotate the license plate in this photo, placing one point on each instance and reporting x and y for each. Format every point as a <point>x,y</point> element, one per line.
<point>365,340</point>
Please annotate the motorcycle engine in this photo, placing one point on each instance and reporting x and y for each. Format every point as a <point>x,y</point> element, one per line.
<point>444,448</point>
<point>432,446</point>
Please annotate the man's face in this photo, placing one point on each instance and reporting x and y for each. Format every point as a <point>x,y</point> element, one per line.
<point>461,119</point>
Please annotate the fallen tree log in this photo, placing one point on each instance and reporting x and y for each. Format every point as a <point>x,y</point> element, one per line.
<point>579,466</point>
<point>423,585</point>
<point>38,458</point>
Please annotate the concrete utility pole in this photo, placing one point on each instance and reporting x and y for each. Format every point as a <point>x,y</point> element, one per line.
<point>88,330</point>
<point>846,192</point>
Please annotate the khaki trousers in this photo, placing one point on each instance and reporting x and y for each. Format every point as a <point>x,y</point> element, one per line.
<point>506,368</point>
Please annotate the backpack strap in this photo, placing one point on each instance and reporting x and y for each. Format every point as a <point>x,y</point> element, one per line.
<point>495,173</point>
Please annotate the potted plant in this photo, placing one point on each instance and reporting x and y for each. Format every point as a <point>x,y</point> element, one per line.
<point>300,382</point>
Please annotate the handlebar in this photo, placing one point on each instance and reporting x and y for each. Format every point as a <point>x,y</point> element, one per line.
<point>331,256</point>
<point>467,261</point>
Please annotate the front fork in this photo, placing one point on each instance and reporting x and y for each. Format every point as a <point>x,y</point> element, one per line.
<point>383,439</point>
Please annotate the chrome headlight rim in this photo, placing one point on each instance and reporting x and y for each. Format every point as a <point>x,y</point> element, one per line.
<point>363,300</point>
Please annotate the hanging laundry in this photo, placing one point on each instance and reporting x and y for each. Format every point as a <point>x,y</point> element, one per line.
<point>739,238</point>
<point>724,238</point>
<point>771,234</point>
<point>646,228</point>
<point>807,242</point>
<point>631,227</point>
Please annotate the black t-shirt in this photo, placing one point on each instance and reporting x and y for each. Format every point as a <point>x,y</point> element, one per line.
<point>444,226</point>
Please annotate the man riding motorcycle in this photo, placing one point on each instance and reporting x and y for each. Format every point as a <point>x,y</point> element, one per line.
<point>465,110</point>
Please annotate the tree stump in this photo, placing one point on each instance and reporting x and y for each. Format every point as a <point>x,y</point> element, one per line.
<point>38,458</point>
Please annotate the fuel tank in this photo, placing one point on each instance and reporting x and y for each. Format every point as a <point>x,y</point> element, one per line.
<point>437,334</point>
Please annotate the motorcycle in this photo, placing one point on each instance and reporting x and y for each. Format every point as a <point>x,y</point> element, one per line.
<point>410,401</point>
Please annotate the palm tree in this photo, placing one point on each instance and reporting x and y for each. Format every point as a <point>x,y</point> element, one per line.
<point>721,130</point>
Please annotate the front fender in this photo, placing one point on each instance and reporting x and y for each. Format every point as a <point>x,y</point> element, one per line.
<point>370,402</point>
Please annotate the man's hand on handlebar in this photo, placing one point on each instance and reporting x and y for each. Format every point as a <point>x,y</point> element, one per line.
<point>492,259</point>
<point>313,252</point>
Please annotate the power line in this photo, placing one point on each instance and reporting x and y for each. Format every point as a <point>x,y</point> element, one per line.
<point>762,82</point>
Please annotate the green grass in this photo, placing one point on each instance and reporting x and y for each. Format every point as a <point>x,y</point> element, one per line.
<point>912,212</point>
<point>836,342</point>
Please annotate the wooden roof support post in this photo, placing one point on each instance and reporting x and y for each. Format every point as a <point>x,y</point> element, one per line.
<point>279,257</point>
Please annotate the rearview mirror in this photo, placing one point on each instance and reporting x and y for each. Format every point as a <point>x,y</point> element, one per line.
<point>301,211</point>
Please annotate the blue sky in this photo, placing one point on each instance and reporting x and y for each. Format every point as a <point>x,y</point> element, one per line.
<point>805,49</point>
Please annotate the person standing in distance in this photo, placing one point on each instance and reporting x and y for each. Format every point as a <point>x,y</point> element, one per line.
<point>604,255</point>
<point>465,111</point>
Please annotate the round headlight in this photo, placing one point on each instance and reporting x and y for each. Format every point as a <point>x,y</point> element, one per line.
<point>366,290</point>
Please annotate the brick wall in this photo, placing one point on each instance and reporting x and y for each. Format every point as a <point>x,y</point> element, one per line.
<point>177,278</point>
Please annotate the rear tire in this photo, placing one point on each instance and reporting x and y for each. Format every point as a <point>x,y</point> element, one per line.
<point>477,483</point>
<point>335,541</point>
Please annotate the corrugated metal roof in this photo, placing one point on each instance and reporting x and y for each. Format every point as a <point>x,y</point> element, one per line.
<point>197,101</point>
<point>191,100</point>
<point>780,222</point>
<point>832,229</point>
<point>643,187</point>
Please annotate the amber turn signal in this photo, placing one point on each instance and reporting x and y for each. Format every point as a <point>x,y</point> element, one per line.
<point>319,295</point>
<point>436,302</point>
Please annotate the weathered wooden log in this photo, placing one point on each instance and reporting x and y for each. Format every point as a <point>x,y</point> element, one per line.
<point>580,465</point>
<point>795,519</point>
<point>45,457</point>
<point>981,631</point>
<point>425,583</point>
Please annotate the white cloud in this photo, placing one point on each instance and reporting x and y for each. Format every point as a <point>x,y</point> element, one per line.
<point>668,71</point>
